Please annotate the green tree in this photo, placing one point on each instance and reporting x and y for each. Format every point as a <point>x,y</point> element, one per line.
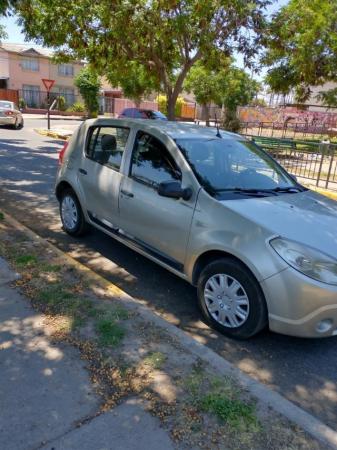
<point>236,88</point>
<point>225,86</point>
<point>302,47</point>
<point>204,84</point>
<point>133,79</point>
<point>165,37</point>
<point>89,85</point>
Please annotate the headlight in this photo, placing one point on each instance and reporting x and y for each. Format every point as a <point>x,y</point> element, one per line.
<point>307,260</point>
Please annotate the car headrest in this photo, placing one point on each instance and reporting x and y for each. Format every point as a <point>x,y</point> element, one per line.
<point>108,143</point>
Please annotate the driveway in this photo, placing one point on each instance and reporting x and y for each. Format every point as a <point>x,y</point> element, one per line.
<point>304,371</point>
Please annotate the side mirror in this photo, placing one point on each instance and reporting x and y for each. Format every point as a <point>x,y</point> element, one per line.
<point>173,189</point>
<point>293,177</point>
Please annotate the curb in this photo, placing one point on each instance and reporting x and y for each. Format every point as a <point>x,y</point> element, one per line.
<point>286,408</point>
<point>52,134</point>
<point>326,192</point>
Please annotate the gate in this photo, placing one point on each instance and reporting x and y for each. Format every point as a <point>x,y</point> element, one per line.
<point>11,95</point>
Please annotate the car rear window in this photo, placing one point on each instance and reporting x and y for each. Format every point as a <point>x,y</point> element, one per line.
<point>6,105</point>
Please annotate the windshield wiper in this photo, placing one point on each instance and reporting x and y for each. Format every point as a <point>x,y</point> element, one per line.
<point>290,189</point>
<point>254,192</point>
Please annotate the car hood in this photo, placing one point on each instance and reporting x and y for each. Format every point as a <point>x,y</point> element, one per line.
<point>305,217</point>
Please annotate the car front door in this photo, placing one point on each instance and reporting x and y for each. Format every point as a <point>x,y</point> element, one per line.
<point>99,173</point>
<point>160,224</point>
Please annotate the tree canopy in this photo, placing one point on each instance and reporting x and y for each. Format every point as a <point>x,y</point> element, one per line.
<point>165,37</point>
<point>133,79</point>
<point>302,47</point>
<point>226,86</point>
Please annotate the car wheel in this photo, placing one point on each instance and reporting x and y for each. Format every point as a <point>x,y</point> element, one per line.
<point>21,124</point>
<point>16,125</point>
<point>231,299</point>
<point>71,213</point>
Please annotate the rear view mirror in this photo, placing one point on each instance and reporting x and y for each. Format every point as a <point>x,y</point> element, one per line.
<point>173,189</point>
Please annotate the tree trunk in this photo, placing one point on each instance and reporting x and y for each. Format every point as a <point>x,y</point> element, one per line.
<point>171,105</point>
<point>205,113</point>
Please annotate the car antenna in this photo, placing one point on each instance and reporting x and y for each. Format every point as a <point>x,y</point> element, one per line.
<point>218,134</point>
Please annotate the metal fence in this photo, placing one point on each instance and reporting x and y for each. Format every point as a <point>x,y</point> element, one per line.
<point>36,99</point>
<point>306,160</point>
<point>115,106</point>
<point>283,130</point>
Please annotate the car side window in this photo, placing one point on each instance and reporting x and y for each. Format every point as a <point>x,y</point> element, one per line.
<point>106,145</point>
<point>151,161</point>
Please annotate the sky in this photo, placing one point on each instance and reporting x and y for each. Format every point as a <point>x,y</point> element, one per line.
<point>16,36</point>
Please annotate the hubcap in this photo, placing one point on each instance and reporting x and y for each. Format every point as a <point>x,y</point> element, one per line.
<point>69,213</point>
<point>226,300</point>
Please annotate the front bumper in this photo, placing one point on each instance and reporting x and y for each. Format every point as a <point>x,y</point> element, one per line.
<point>7,120</point>
<point>300,306</point>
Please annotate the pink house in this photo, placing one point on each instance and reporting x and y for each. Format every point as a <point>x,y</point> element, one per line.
<point>23,67</point>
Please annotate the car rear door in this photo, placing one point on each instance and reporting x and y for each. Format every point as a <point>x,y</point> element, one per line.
<point>160,225</point>
<point>99,173</point>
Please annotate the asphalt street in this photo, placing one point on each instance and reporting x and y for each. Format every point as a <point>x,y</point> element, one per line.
<point>303,370</point>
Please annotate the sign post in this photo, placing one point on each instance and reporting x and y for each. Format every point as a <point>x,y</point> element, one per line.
<point>48,84</point>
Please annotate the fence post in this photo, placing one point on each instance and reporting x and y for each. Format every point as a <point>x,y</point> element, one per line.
<point>331,155</point>
<point>322,148</point>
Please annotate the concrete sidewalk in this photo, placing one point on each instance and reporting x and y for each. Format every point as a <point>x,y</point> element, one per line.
<point>46,398</point>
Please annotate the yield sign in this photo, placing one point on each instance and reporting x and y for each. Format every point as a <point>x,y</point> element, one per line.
<point>48,84</point>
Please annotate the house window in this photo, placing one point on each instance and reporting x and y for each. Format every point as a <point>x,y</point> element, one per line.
<point>31,95</point>
<point>66,70</point>
<point>31,64</point>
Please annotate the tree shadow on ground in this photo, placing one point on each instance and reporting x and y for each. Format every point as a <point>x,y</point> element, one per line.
<point>302,370</point>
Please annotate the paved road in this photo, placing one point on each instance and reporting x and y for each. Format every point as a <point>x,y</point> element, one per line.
<point>304,371</point>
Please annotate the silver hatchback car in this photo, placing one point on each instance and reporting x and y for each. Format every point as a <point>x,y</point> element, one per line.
<point>214,209</point>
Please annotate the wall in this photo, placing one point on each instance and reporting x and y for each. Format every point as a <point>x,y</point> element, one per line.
<point>4,64</point>
<point>289,114</point>
<point>116,105</point>
<point>18,76</point>
<point>66,81</point>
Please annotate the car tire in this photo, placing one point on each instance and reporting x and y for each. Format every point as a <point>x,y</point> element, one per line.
<point>72,217</point>
<point>16,125</point>
<point>237,310</point>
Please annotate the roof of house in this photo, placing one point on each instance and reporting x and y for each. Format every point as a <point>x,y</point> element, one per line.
<point>26,49</point>
<point>29,50</point>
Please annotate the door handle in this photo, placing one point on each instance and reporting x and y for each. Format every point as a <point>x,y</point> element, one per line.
<point>83,172</point>
<point>128,194</point>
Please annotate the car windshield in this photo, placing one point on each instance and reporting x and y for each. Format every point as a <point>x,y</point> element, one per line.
<point>5,105</point>
<point>159,114</point>
<point>227,165</point>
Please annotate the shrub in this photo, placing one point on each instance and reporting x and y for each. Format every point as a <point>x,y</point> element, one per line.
<point>76,107</point>
<point>22,103</point>
<point>61,103</point>
<point>162,105</point>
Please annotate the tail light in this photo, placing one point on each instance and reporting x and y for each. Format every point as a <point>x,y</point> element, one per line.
<point>9,113</point>
<point>62,152</point>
